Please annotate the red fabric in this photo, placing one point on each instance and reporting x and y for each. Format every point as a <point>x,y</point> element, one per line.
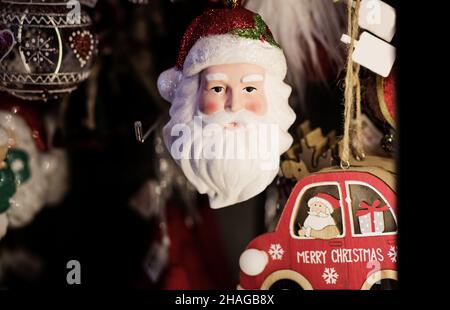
<point>196,259</point>
<point>31,112</point>
<point>214,22</point>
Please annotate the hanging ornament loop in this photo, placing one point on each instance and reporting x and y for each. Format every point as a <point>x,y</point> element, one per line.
<point>352,93</point>
<point>345,165</point>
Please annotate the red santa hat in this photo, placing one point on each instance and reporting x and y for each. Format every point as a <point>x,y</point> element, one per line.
<point>224,36</point>
<point>327,200</point>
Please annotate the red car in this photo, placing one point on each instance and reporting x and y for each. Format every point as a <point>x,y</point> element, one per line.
<point>337,231</point>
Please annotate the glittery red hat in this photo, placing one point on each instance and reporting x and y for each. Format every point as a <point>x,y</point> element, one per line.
<point>224,36</point>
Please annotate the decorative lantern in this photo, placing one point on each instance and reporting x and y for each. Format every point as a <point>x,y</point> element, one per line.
<point>47,47</point>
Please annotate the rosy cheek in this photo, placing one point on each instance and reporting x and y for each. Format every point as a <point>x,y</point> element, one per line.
<point>209,107</point>
<point>255,107</point>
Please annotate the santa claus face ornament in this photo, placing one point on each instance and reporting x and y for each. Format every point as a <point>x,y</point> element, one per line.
<point>230,111</point>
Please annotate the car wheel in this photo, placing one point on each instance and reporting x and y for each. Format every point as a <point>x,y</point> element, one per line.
<point>286,285</point>
<point>385,284</point>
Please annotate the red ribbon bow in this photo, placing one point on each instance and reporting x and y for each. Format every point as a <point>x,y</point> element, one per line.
<point>365,208</point>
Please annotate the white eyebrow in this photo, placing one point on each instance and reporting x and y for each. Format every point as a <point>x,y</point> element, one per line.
<point>252,78</point>
<point>216,77</point>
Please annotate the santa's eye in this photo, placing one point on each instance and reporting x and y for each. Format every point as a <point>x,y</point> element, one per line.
<point>249,89</point>
<point>217,89</point>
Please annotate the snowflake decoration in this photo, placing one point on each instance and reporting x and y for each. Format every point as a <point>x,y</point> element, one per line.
<point>38,50</point>
<point>393,251</point>
<point>276,251</point>
<point>330,275</point>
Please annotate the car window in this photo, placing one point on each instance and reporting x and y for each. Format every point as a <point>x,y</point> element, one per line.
<point>312,220</point>
<point>371,213</point>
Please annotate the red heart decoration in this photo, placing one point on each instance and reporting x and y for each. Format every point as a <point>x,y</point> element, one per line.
<point>82,44</point>
<point>7,42</point>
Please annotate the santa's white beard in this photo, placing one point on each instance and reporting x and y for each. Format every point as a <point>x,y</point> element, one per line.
<point>230,165</point>
<point>318,222</point>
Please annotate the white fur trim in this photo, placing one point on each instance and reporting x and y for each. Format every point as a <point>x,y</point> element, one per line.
<point>231,49</point>
<point>167,83</point>
<point>322,201</point>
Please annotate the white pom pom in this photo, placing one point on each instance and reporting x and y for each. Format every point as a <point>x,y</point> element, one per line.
<point>167,83</point>
<point>253,261</point>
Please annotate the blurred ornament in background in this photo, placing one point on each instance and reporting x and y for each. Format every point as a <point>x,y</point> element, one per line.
<point>380,102</point>
<point>387,97</point>
<point>39,171</point>
<point>152,198</point>
<point>52,49</point>
<point>309,33</point>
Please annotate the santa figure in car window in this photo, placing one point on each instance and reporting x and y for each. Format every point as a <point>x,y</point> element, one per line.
<point>319,223</point>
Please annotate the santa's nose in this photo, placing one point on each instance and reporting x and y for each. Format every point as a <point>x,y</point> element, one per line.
<point>234,102</point>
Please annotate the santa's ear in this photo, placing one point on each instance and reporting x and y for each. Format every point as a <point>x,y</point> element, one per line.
<point>167,83</point>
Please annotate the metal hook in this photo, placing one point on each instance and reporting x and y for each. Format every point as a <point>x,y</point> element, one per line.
<point>138,130</point>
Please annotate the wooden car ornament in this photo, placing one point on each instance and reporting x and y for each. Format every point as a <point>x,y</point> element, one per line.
<point>338,230</point>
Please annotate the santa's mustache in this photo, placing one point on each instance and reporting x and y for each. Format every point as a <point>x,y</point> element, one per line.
<point>241,118</point>
<point>319,214</point>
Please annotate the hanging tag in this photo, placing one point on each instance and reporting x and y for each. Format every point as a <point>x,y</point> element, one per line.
<point>378,18</point>
<point>372,53</point>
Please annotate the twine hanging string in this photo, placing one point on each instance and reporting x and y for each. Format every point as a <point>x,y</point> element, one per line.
<point>352,93</point>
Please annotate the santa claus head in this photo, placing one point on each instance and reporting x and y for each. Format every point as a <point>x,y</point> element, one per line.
<point>319,216</point>
<point>230,111</point>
